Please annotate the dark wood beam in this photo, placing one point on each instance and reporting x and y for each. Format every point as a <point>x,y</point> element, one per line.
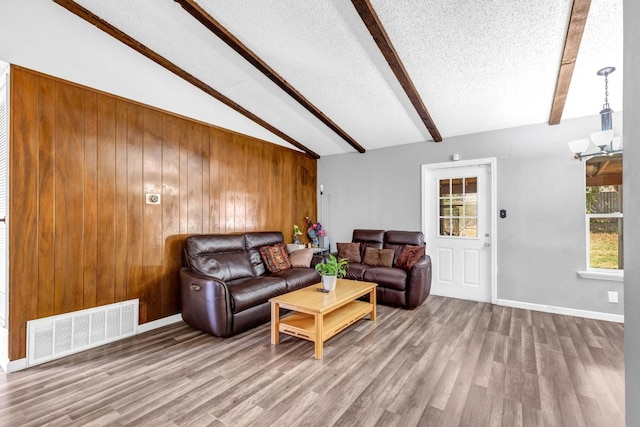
<point>577,22</point>
<point>373,24</point>
<point>194,9</point>
<point>162,61</point>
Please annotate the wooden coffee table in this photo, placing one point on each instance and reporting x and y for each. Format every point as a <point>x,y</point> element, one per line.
<point>318,316</point>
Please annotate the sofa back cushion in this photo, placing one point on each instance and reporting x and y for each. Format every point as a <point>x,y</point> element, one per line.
<point>254,241</point>
<point>368,239</point>
<point>396,240</point>
<point>219,255</point>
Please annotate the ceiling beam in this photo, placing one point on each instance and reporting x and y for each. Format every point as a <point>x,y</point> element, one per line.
<point>194,9</point>
<point>373,24</point>
<point>162,61</point>
<point>577,22</point>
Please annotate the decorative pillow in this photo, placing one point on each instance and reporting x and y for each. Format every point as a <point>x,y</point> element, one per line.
<point>301,257</point>
<point>378,257</point>
<point>409,256</point>
<point>350,251</point>
<point>275,257</point>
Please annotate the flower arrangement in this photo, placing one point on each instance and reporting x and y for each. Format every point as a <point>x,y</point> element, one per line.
<point>314,230</point>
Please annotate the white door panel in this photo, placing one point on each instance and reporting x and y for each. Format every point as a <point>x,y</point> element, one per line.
<point>457,223</point>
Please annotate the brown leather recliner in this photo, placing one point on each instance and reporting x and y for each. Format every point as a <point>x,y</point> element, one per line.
<point>225,287</point>
<point>396,287</point>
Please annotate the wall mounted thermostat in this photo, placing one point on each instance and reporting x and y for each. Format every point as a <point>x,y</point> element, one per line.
<point>153,199</point>
<point>503,213</point>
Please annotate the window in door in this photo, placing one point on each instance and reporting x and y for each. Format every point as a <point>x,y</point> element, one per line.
<point>458,198</point>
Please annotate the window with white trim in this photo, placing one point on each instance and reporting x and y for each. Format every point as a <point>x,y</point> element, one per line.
<point>604,216</point>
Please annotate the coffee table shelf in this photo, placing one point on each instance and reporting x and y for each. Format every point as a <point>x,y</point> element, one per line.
<point>303,325</point>
<point>316,316</point>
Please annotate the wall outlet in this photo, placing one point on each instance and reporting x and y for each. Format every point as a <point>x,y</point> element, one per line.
<point>613,297</point>
<point>153,198</point>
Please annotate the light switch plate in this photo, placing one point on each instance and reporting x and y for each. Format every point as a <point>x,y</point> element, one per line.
<point>153,198</point>
<point>613,297</point>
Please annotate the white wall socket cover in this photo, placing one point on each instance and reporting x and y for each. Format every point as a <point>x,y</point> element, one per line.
<point>613,296</point>
<point>153,198</point>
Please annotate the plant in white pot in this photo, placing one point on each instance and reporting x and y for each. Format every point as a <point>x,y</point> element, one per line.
<point>331,270</point>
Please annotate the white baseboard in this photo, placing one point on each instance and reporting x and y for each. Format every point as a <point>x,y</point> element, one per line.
<point>13,365</point>
<point>17,365</point>
<point>155,324</point>
<point>619,318</point>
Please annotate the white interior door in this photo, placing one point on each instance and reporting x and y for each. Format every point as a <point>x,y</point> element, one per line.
<point>458,225</point>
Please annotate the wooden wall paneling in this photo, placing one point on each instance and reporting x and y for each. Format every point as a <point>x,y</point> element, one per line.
<point>152,222</point>
<point>214,180</point>
<point>206,181</point>
<point>194,199</point>
<point>172,239</point>
<point>240,184</point>
<point>81,163</point>
<point>91,197</point>
<point>106,198</point>
<point>135,202</point>
<point>120,210</point>
<point>45,98</point>
<point>184,175</point>
<point>226,182</point>
<point>23,213</point>
<point>254,212</point>
<point>69,172</point>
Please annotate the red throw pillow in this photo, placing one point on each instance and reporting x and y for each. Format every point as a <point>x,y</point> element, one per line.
<point>275,257</point>
<point>409,256</point>
<point>350,251</point>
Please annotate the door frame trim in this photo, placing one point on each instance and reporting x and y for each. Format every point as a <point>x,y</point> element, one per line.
<point>492,163</point>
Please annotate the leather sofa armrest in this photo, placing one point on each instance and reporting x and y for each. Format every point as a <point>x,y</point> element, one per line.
<point>317,259</point>
<point>419,282</point>
<point>206,303</point>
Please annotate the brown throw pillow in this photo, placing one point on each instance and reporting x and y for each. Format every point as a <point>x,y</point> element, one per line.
<point>378,257</point>
<point>301,257</point>
<point>275,257</point>
<point>409,256</point>
<point>350,251</point>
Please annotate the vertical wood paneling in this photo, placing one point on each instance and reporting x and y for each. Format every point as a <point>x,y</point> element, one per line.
<point>121,203</point>
<point>46,190</point>
<point>69,172</point>
<point>91,268</point>
<point>172,239</point>
<point>152,220</point>
<point>215,187</point>
<point>135,273</point>
<point>81,163</point>
<point>106,196</point>
<point>23,205</point>
<point>194,198</point>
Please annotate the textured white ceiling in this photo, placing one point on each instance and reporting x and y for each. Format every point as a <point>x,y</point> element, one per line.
<point>478,65</point>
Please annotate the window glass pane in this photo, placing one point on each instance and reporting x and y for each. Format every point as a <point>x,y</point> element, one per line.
<point>445,227</point>
<point>604,199</point>
<point>605,243</point>
<point>470,209</point>
<point>470,227</point>
<point>457,186</point>
<point>445,187</point>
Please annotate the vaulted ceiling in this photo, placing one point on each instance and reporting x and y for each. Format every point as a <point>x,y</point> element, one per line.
<point>339,76</point>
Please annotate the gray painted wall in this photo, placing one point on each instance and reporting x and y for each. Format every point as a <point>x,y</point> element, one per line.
<point>632,209</point>
<point>541,243</point>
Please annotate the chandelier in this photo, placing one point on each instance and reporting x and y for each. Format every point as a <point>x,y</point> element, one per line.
<point>602,143</point>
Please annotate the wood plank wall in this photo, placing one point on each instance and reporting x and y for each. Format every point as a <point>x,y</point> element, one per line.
<point>81,234</point>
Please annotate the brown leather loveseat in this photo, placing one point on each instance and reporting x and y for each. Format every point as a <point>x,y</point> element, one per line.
<point>397,286</point>
<point>225,287</point>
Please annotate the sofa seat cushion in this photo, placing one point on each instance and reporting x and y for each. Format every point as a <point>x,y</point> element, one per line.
<point>356,271</point>
<point>393,278</point>
<point>298,277</point>
<point>246,293</point>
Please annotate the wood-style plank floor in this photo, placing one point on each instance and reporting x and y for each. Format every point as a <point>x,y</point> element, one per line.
<point>448,363</point>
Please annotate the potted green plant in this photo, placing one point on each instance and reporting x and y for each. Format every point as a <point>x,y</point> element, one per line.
<point>332,269</point>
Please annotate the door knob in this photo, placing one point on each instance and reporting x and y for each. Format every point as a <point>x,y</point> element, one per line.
<point>486,245</point>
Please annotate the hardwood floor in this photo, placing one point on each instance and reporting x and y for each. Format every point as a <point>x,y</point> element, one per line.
<point>448,363</point>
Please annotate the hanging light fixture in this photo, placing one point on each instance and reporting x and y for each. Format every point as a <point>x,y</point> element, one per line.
<point>604,142</point>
